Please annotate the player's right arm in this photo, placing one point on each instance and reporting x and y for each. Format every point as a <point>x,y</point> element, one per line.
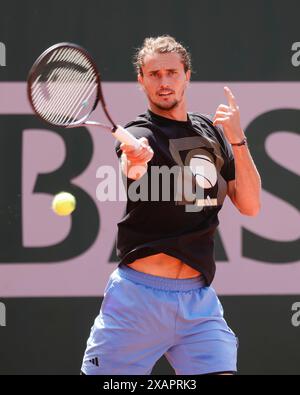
<point>134,162</point>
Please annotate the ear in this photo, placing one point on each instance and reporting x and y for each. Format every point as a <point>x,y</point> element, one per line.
<point>188,75</point>
<point>140,79</point>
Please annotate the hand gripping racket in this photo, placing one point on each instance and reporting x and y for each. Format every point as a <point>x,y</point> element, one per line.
<point>64,88</point>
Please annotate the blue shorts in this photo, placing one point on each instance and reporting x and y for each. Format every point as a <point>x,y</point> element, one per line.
<point>143,317</point>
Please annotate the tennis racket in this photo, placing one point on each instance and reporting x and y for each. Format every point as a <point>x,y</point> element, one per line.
<point>64,88</point>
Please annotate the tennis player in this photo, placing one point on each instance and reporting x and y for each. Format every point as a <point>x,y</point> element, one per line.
<point>159,301</point>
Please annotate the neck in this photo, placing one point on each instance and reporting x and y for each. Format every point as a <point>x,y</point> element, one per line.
<point>179,113</point>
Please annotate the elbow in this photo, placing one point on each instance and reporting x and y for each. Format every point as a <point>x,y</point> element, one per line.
<point>251,211</point>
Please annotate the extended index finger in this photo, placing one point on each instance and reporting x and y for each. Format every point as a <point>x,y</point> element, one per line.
<point>230,98</point>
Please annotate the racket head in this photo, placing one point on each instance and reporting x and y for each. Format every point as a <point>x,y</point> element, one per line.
<point>64,85</point>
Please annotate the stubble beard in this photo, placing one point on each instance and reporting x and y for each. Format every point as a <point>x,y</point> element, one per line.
<point>166,106</point>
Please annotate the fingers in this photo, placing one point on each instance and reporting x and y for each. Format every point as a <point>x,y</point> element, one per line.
<point>221,121</point>
<point>141,158</point>
<point>144,141</point>
<point>130,148</point>
<point>138,156</point>
<point>223,107</point>
<point>230,98</point>
<point>222,113</point>
<point>127,149</point>
<point>225,112</point>
<point>222,116</point>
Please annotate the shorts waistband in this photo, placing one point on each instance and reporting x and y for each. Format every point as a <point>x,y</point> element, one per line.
<point>168,284</point>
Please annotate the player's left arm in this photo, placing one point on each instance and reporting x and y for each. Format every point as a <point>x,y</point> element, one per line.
<point>245,190</point>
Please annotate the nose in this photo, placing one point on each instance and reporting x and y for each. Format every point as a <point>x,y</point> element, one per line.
<point>164,82</point>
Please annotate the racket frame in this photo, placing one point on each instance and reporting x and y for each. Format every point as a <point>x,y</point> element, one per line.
<point>99,95</point>
<point>117,131</point>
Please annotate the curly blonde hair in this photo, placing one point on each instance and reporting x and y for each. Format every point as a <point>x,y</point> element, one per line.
<point>161,44</point>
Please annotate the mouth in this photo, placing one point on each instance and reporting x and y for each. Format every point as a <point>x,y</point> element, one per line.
<point>165,94</point>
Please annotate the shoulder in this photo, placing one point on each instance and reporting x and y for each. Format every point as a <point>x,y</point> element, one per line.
<point>203,119</point>
<point>141,126</point>
<point>206,119</point>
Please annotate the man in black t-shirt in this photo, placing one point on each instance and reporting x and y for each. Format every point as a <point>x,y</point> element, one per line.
<point>160,300</point>
<point>194,150</point>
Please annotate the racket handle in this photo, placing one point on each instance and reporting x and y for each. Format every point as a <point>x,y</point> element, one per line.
<point>125,137</point>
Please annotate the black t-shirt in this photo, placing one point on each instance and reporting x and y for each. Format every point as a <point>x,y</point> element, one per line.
<point>183,225</point>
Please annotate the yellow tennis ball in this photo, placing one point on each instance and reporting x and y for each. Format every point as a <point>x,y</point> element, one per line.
<point>63,203</point>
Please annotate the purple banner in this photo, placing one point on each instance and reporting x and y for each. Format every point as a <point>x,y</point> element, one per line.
<point>87,274</point>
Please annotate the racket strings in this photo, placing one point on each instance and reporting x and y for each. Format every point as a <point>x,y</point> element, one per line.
<point>64,92</point>
<point>59,88</point>
<point>38,94</point>
<point>85,87</point>
<point>57,94</point>
<point>38,91</point>
<point>71,91</point>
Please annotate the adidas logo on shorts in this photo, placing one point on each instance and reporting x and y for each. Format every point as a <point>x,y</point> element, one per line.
<point>94,361</point>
